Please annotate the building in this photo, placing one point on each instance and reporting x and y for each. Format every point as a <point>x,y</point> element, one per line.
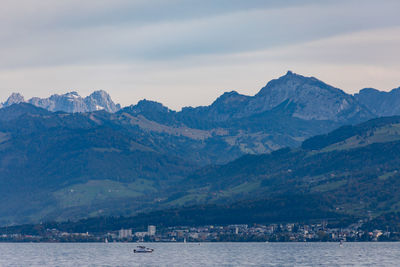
<point>141,234</point>
<point>125,233</point>
<point>151,230</point>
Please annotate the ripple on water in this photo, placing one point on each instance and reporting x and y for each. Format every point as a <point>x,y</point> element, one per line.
<point>206,254</point>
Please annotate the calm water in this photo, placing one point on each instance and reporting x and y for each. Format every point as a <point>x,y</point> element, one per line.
<point>206,254</point>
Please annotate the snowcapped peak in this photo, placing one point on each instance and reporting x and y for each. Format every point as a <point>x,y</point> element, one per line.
<point>69,102</point>
<point>14,98</point>
<point>73,94</point>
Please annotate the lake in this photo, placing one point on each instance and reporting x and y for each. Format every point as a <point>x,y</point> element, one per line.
<point>204,254</point>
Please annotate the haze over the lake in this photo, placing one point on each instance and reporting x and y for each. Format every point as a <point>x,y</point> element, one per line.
<point>188,52</point>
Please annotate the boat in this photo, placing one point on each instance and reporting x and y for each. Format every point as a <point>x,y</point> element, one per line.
<point>143,249</point>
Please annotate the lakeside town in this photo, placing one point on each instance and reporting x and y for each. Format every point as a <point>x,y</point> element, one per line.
<point>289,232</point>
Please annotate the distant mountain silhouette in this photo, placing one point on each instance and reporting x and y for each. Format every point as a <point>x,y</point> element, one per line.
<point>380,103</point>
<point>310,99</point>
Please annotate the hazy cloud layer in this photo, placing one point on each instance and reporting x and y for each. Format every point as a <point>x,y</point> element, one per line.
<point>188,52</point>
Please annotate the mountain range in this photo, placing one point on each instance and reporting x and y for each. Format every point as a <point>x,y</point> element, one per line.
<point>69,102</point>
<point>75,157</point>
<point>306,92</point>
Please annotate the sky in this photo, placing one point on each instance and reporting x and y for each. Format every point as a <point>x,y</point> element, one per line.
<point>188,52</point>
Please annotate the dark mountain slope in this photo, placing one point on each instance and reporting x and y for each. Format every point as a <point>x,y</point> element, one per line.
<point>355,177</point>
<point>300,208</point>
<point>43,153</point>
<point>16,110</point>
<point>346,132</point>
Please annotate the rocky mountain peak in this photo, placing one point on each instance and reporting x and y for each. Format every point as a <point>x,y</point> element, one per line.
<point>69,102</point>
<point>148,106</point>
<point>100,94</point>
<point>228,105</point>
<point>72,94</point>
<point>314,99</point>
<point>14,98</point>
<point>230,98</point>
<point>153,111</point>
<point>100,100</point>
<point>290,74</point>
<point>287,85</point>
<point>306,98</point>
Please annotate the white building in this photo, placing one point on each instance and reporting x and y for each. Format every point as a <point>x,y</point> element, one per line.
<point>125,233</point>
<point>151,230</point>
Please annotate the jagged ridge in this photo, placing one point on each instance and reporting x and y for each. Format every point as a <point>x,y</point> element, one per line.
<point>69,102</point>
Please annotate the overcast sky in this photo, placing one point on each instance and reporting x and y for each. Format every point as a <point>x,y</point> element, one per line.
<point>187,53</point>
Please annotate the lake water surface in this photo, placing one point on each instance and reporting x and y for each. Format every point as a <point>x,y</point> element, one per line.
<point>205,254</point>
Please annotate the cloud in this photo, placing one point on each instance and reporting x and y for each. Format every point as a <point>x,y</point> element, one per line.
<point>106,33</point>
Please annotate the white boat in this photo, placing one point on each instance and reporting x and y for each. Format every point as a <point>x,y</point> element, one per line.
<point>143,249</point>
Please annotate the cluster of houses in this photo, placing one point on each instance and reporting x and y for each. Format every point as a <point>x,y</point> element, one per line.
<point>290,232</point>
<point>127,234</point>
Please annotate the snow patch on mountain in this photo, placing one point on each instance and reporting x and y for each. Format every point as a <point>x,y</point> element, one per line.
<point>70,102</point>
